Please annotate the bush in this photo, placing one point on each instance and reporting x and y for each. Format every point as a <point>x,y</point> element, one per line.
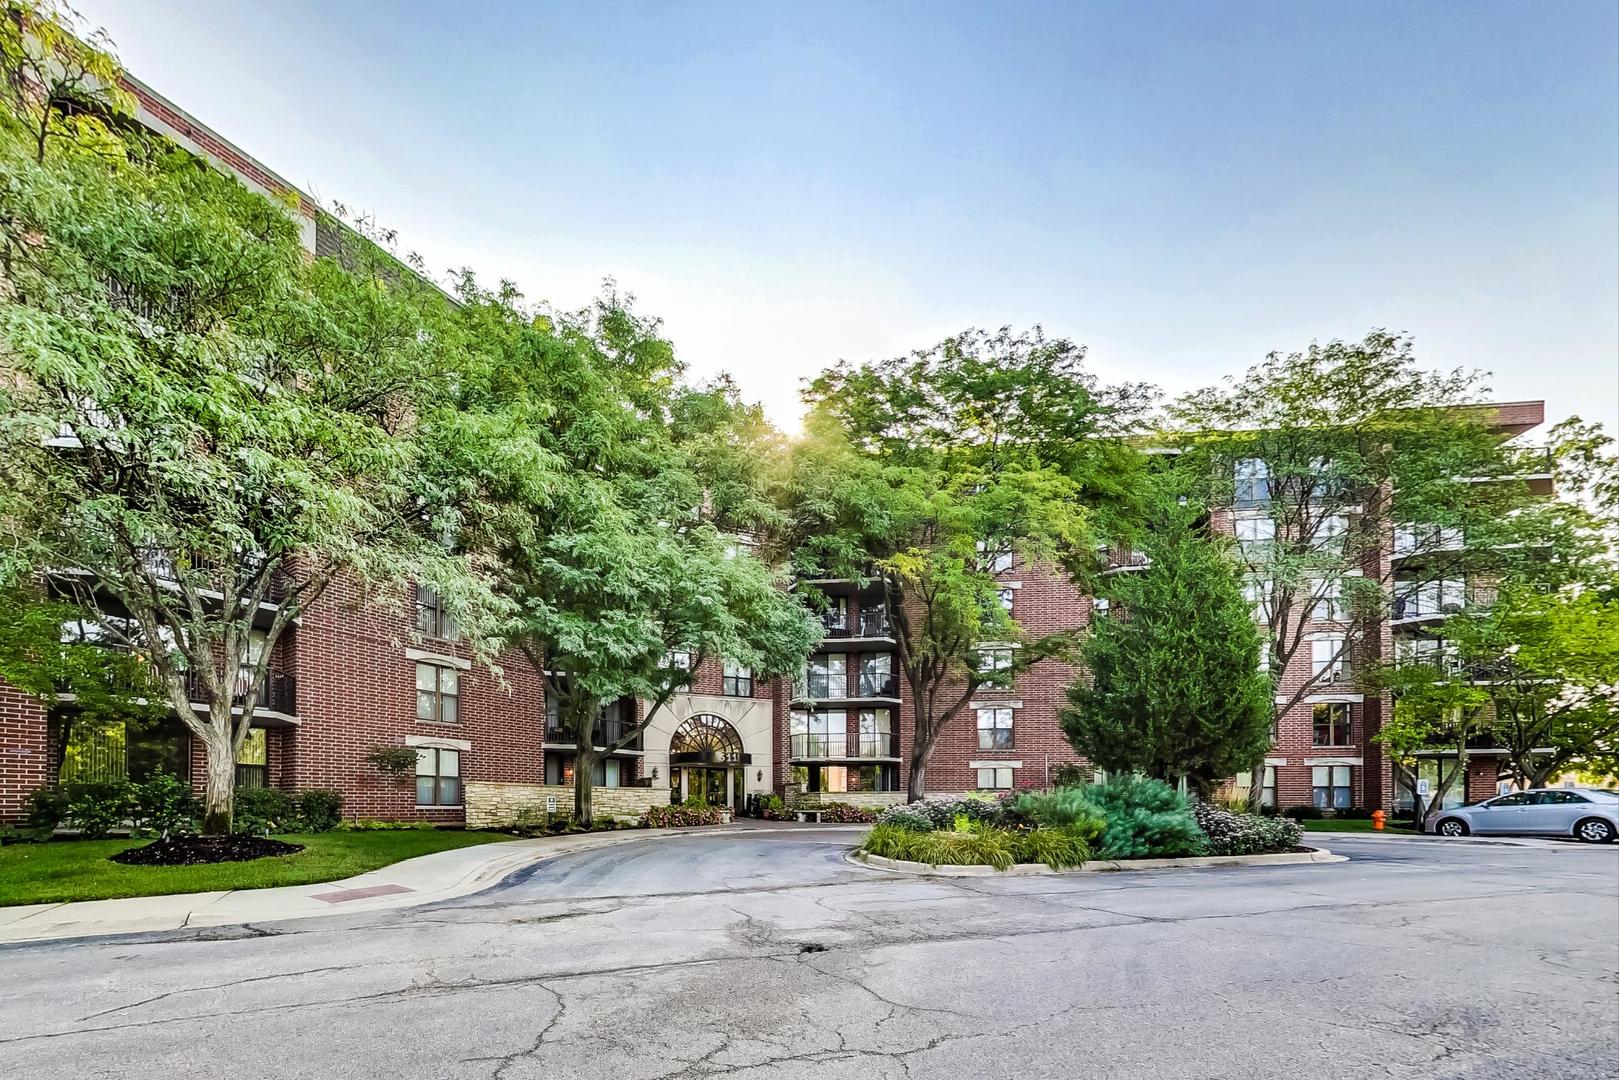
<point>905,817</point>
<point>665,817</point>
<point>319,810</point>
<point>164,805</point>
<point>1353,813</point>
<point>261,811</point>
<point>772,808</point>
<point>847,813</point>
<point>942,813</point>
<point>372,825</point>
<point>1245,834</point>
<point>1058,848</point>
<point>1146,819</point>
<point>981,846</point>
<point>46,809</point>
<point>1304,813</point>
<point>1064,808</point>
<point>1071,775</point>
<point>100,807</point>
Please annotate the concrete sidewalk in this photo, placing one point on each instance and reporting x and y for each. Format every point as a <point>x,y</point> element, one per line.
<point>442,875</point>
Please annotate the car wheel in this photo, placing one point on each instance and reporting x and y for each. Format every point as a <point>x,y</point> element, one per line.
<point>1594,831</point>
<point>1452,827</point>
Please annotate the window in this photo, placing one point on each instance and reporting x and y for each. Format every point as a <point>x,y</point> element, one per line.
<point>1267,793</point>
<point>1416,600</point>
<point>835,619</point>
<point>995,729</point>
<point>253,760</point>
<point>820,733</point>
<point>1518,798</point>
<point>1330,532</point>
<point>995,658</point>
<point>1415,539</point>
<point>994,557</point>
<point>827,676</point>
<point>438,776</point>
<point>1330,784</point>
<point>1558,798</point>
<point>1100,607</point>
<point>1257,591</point>
<point>432,620</point>
<point>1331,724</point>
<point>1328,659</point>
<point>877,676</point>
<point>835,778</point>
<point>876,734</point>
<point>1007,598</point>
<point>737,680</point>
<point>610,772</point>
<point>996,779</point>
<point>438,693</point>
<point>1255,532</point>
<point>1329,601</point>
<point>1252,483</point>
<point>679,660</point>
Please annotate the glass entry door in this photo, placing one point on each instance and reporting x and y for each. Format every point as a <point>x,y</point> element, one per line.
<point>712,785</point>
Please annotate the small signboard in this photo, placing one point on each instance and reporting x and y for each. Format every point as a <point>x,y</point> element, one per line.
<point>1503,787</point>
<point>550,804</point>
<point>1422,788</point>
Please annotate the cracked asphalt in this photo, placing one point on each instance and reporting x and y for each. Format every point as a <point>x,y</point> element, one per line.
<point>767,956</point>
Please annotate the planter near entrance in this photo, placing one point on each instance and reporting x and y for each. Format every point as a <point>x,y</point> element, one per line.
<point>1286,858</point>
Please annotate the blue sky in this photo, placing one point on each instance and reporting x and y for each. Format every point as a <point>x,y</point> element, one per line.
<point>1183,187</point>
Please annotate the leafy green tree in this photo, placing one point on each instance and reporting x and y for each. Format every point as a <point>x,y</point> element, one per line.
<point>1174,688</point>
<point>924,472</point>
<point>203,429</point>
<point>639,551</point>
<point>1322,458</point>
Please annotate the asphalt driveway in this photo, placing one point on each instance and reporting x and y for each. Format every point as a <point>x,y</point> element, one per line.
<point>755,956</point>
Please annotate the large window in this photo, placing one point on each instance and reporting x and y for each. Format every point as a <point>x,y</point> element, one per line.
<point>1329,659</point>
<point>438,776</point>
<point>998,778</point>
<point>995,729</point>
<point>432,620</point>
<point>1257,591</point>
<point>438,693</point>
<point>994,556</point>
<point>1331,724</point>
<point>835,619</point>
<point>1255,532</point>
<point>827,676</point>
<point>876,734</point>
<point>253,760</point>
<point>995,658</point>
<point>1329,601</point>
<point>820,733</point>
<point>839,778</point>
<point>737,680</point>
<point>610,772</point>
<point>1267,794</point>
<point>1330,784</point>
<point>1252,484</point>
<point>98,752</point>
<point>877,676</point>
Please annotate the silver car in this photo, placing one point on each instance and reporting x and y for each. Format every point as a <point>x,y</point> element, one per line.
<point>1589,814</point>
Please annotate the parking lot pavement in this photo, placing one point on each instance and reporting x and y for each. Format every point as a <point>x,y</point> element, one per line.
<point>768,956</point>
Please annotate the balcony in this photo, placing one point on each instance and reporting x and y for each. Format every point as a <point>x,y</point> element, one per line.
<point>1533,465</point>
<point>161,564</point>
<point>841,746</point>
<point>836,686</point>
<point>607,733</point>
<point>278,693</point>
<point>867,626</point>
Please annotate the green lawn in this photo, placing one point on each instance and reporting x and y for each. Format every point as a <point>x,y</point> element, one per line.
<point>1352,825</point>
<point>81,870</point>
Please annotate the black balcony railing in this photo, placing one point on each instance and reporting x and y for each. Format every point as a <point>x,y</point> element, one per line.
<point>843,746</point>
<point>837,686</point>
<point>162,564</point>
<point>835,624</point>
<point>875,624</point>
<point>877,684</point>
<point>608,732</point>
<point>277,693</point>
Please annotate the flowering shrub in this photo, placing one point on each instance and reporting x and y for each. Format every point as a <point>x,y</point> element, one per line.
<point>847,813</point>
<point>942,813</point>
<point>1245,834</point>
<point>905,818</point>
<point>666,817</point>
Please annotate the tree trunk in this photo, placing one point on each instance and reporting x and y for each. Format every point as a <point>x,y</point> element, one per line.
<point>584,776</point>
<point>219,793</point>
<point>915,782</point>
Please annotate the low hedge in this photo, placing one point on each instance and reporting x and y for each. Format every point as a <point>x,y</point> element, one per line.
<point>666,817</point>
<point>1246,834</point>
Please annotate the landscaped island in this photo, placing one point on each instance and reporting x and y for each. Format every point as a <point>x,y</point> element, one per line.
<point>1125,818</point>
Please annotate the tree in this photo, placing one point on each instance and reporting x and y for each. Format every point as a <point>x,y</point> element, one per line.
<point>59,81</point>
<point>1175,689</point>
<point>203,430</point>
<point>923,472</point>
<point>1326,457</point>
<point>638,552</point>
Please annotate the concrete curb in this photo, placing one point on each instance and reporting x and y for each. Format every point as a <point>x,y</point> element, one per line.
<point>1287,858</point>
<point>1430,838</point>
<point>426,879</point>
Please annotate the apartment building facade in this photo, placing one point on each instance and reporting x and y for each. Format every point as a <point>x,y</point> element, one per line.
<point>360,672</point>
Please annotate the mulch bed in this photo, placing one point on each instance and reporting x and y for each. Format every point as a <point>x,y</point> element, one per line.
<point>198,850</point>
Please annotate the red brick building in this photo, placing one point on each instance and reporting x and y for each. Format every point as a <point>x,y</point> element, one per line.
<point>360,672</point>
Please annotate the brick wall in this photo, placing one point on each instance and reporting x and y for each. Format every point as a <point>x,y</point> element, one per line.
<point>24,751</point>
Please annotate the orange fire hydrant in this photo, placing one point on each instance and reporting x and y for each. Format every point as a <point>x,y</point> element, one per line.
<point>1378,817</point>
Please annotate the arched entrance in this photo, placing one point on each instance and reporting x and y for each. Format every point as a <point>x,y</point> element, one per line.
<point>705,761</point>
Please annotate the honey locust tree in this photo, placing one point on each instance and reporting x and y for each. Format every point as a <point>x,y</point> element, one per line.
<point>929,472</point>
